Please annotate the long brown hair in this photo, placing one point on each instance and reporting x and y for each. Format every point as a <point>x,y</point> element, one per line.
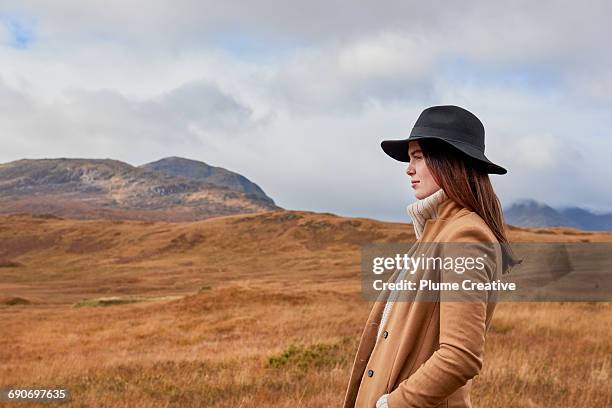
<point>465,181</point>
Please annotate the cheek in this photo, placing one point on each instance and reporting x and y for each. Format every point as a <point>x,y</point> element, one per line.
<point>422,171</point>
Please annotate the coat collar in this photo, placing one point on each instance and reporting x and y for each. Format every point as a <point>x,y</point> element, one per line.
<point>447,210</point>
<point>424,209</point>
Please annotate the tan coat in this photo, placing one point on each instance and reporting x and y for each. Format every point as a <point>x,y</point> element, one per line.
<point>428,352</point>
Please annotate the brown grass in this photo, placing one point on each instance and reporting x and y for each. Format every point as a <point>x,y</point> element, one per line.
<point>249,311</point>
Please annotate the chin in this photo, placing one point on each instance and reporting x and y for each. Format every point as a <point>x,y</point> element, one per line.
<point>419,195</point>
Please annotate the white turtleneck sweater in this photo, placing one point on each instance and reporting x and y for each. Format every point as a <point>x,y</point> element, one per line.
<point>420,211</point>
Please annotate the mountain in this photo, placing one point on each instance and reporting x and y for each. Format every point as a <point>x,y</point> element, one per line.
<point>200,171</point>
<point>531,213</point>
<point>588,220</point>
<point>103,188</point>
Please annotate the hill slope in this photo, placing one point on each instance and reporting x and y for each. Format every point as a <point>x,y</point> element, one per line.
<point>249,310</point>
<point>139,257</point>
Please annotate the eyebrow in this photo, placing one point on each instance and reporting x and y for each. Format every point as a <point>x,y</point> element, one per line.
<point>415,152</point>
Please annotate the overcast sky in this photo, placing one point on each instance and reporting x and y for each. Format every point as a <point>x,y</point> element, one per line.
<point>297,96</point>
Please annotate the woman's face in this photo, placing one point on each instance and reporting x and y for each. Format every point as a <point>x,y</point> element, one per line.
<point>422,181</point>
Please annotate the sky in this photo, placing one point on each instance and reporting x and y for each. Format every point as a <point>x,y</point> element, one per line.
<point>297,96</point>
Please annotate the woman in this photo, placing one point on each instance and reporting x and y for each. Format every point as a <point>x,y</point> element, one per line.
<point>425,354</point>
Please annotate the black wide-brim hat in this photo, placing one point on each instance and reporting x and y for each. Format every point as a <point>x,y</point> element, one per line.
<point>452,124</point>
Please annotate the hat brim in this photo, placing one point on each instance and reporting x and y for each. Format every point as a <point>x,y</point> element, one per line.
<point>398,149</point>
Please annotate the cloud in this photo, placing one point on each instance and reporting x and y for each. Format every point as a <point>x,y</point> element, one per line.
<point>299,98</point>
<point>539,152</point>
<point>107,122</point>
<point>342,78</point>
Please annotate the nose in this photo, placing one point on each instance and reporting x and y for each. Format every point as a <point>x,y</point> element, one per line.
<point>410,170</point>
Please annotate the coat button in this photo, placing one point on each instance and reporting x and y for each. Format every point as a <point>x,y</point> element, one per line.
<point>385,334</point>
<point>370,373</point>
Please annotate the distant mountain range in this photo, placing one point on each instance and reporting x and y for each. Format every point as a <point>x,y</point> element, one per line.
<point>531,213</point>
<point>180,189</point>
<point>173,189</point>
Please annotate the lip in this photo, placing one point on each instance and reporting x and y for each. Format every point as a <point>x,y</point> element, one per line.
<point>414,183</point>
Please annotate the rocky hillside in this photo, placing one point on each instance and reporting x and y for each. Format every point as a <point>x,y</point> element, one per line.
<point>200,171</point>
<point>172,189</point>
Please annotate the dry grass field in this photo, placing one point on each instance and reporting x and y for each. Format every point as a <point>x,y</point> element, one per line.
<point>253,310</point>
